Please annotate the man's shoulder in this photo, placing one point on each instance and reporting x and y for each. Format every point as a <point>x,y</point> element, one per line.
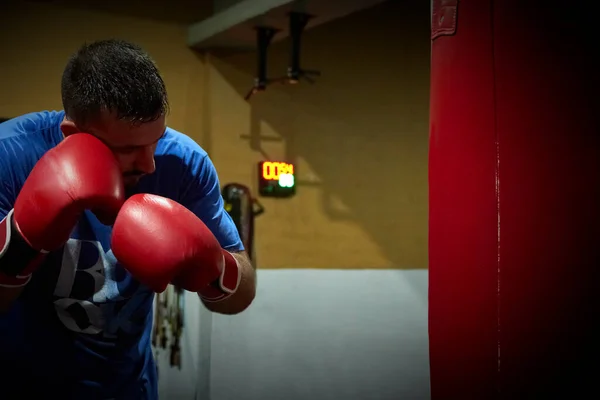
<point>178,149</point>
<point>179,144</point>
<point>179,156</point>
<point>30,135</point>
<point>26,126</point>
<point>24,139</point>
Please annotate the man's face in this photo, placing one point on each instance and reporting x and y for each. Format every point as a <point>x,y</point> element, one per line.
<point>132,145</point>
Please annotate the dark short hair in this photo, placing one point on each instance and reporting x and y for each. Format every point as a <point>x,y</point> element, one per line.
<point>115,76</point>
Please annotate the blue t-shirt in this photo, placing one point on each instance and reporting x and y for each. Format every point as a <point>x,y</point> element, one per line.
<point>82,327</point>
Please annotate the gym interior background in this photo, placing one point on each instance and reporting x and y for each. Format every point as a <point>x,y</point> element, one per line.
<point>341,310</point>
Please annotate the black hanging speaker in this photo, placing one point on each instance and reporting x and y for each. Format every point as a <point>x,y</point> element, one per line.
<point>242,208</point>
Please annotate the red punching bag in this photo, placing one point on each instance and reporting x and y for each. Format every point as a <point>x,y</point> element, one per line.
<point>514,174</point>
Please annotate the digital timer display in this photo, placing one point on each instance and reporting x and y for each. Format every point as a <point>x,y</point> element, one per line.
<point>276,179</point>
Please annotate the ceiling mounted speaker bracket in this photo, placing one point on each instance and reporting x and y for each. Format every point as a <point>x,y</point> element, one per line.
<point>264,37</point>
<point>297,23</point>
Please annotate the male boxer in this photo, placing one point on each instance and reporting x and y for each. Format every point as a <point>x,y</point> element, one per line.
<point>101,206</point>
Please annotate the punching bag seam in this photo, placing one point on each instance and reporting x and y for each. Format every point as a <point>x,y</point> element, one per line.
<point>497,189</point>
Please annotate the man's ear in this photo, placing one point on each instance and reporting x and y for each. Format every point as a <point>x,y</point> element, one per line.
<point>68,127</point>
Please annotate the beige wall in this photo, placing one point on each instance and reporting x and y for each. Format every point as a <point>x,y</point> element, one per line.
<point>359,136</point>
<point>37,39</point>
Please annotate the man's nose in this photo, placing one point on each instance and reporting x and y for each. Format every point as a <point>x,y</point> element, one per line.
<point>144,160</point>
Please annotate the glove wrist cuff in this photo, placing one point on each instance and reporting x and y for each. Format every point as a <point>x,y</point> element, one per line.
<point>18,259</point>
<point>228,281</point>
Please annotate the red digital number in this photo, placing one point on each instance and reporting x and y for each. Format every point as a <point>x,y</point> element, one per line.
<point>271,170</point>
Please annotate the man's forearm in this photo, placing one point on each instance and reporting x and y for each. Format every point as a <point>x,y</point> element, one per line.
<point>245,293</point>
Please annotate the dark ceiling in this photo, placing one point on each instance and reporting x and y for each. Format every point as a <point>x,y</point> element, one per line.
<point>173,11</point>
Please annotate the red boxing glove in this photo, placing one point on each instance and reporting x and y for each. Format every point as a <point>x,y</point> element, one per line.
<point>79,173</point>
<point>159,241</point>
